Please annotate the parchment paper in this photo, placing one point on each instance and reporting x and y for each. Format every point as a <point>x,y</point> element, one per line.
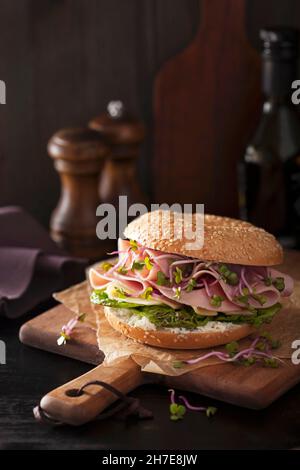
<point>115,346</point>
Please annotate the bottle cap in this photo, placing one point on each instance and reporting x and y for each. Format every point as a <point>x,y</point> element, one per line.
<point>279,42</point>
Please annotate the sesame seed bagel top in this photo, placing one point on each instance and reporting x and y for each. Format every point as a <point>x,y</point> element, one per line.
<point>225,240</point>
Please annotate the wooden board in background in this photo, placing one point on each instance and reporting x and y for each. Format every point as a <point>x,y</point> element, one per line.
<point>207,101</point>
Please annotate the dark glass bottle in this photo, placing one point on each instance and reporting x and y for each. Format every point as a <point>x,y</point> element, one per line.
<point>270,171</point>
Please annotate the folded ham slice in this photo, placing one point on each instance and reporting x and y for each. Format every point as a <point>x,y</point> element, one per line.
<point>199,298</point>
<point>177,280</point>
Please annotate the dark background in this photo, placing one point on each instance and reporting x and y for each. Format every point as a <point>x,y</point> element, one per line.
<point>63,60</point>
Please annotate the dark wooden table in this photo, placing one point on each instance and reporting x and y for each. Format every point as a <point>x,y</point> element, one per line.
<point>30,373</point>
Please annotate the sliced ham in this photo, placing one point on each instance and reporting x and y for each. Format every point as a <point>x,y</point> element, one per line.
<point>288,281</point>
<point>207,280</point>
<point>162,261</point>
<point>199,298</point>
<point>148,275</point>
<point>98,279</point>
<point>123,245</point>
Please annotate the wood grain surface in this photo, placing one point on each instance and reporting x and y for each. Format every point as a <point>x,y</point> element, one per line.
<point>113,51</point>
<point>255,387</point>
<point>30,373</point>
<point>43,331</point>
<point>62,405</point>
<point>205,115</point>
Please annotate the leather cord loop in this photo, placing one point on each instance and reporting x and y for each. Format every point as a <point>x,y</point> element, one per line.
<point>127,406</point>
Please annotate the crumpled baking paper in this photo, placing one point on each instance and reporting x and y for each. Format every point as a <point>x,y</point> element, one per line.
<point>285,327</point>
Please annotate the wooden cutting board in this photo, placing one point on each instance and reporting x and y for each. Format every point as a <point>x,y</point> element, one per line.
<point>255,387</point>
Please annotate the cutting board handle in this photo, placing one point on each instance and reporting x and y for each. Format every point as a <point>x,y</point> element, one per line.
<point>62,404</point>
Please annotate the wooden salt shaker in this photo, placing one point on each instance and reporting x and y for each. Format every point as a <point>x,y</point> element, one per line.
<point>125,135</point>
<point>78,156</point>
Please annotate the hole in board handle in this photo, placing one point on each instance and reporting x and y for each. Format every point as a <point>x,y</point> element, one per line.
<point>74,392</point>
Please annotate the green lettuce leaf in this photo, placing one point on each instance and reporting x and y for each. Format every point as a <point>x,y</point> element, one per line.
<point>100,297</point>
<point>164,316</point>
<point>259,316</point>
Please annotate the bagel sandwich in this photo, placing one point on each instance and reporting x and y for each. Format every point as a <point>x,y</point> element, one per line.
<point>165,293</point>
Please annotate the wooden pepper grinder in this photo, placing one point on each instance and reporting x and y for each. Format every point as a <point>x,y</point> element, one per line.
<point>78,156</point>
<point>124,134</point>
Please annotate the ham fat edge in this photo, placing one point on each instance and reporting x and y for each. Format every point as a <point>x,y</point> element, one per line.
<point>143,277</point>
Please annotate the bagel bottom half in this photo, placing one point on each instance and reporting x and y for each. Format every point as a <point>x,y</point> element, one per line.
<point>214,333</point>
